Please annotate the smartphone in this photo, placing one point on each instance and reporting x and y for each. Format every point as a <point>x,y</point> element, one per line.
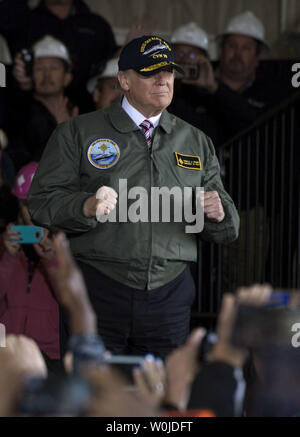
<point>29,234</point>
<point>27,56</point>
<point>125,364</point>
<point>267,324</point>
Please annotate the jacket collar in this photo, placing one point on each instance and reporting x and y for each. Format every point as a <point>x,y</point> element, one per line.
<point>123,123</point>
<point>166,121</point>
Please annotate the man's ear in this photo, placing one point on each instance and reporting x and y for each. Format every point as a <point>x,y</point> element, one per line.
<point>68,79</point>
<point>124,80</point>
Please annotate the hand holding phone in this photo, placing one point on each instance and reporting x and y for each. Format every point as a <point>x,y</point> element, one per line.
<point>267,323</point>
<point>10,240</point>
<point>28,234</point>
<point>125,364</point>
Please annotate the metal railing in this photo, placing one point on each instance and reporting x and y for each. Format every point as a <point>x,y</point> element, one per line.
<point>260,169</point>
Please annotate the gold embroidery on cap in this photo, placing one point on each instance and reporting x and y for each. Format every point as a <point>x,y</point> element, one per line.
<point>159,56</point>
<point>156,66</point>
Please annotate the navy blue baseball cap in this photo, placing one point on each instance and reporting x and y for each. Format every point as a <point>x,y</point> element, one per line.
<point>147,56</point>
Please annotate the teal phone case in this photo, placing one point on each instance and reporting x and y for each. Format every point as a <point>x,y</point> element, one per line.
<point>29,234</point>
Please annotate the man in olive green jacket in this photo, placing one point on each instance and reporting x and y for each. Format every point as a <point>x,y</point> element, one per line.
<point>136,267</point>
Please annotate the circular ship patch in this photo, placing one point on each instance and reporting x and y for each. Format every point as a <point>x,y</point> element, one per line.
<point>103,154</point>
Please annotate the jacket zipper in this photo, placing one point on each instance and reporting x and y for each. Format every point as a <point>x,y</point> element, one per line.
<point>151,183</point>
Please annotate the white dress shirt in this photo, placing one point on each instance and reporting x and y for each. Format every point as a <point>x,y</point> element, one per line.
<point>137,117</point>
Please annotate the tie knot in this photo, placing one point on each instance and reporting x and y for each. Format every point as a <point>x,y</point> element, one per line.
<point>146,125</point>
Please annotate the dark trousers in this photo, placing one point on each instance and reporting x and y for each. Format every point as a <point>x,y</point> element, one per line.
<point>138,322</point>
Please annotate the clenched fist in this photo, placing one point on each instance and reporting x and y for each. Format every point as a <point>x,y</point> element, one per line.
<point>212,205</point>
<point>102,203</point>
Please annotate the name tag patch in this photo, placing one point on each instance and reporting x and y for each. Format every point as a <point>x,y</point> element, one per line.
<point>189,162</point>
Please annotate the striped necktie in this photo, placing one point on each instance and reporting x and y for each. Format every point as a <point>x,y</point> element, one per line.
<point>146,125</point>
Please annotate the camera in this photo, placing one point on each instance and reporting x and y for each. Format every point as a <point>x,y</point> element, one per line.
<point>191,71</point>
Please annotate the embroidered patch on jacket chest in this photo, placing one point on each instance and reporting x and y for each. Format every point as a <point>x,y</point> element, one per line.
<point>103,154</point>
<point>188,161</point>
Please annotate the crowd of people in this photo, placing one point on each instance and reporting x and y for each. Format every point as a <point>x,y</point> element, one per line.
<point>212,375</point>
<point>66,63</point>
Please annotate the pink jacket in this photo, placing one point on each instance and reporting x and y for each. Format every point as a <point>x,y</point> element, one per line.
<point>29,311</point>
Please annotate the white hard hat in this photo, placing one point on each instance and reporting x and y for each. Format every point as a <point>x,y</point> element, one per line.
<point>51,47</point>
<point>5,55</point>
<point>191,34</point>
<point>246,24</point>
<point>111,70</point>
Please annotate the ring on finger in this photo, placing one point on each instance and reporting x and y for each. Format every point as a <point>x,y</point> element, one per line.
<point>159,387</point>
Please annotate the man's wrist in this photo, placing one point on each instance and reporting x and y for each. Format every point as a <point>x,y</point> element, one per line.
<point>83,321</point>
<point>82,316</point>
<point>87,208</point>
<point>79,304</point>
